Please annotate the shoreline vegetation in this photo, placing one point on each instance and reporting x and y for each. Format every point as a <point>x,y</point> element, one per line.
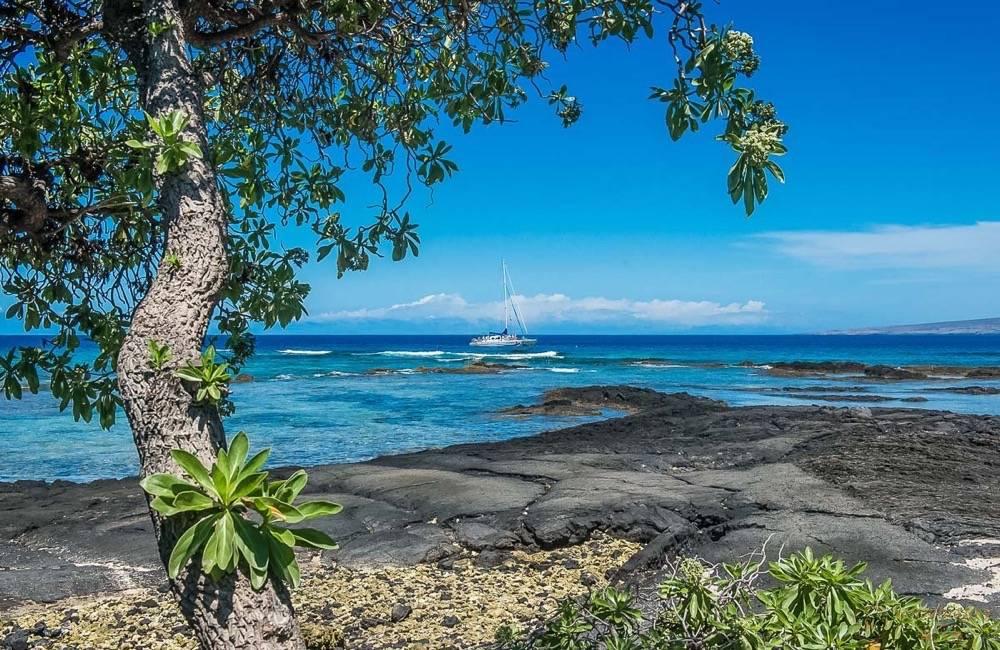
<point>441,547</point>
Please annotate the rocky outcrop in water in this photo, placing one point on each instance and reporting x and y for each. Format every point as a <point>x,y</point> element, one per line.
<point>594,400</point>
<point>471,368</point>
<point>874,372</point>
<point>971,390</point>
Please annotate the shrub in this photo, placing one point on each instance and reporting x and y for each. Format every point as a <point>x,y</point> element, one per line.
<point>819,603</point>
<point>218,502</point>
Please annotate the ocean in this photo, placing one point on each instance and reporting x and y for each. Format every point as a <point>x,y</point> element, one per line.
<point>332,399</point>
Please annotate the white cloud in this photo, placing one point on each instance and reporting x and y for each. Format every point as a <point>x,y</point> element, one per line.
<point>973,246</point>
<point>560,308</point>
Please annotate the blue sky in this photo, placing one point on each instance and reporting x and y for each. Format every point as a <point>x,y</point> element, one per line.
<point>890,213</point>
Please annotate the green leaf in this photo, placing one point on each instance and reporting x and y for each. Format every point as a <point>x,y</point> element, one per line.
<point>164,506</point>
<point>283,561</point>
<point>292,486</point>
<point>312,538</point>
<point>273,507</point>
<point>249,486</point>
<point>283,535</point>
<point>314,509</point>
<point>251,543</point>
<point>164,485</point>
<point>775,170</point>
<point>188,544</point>
<point>192,149</point>
<point>190,464</point>
<point>226,553</point>
<point>238,449</point>
<point>192,501</point>
<point>254,464</point>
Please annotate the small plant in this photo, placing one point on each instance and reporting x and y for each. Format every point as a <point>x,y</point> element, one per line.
<point>172,153</point>
<point>218,500</point>
<point>211,379</point>
<point>159,355</point>
<point>819,603</point>
<point>172,260</point>
<point>157,28</point>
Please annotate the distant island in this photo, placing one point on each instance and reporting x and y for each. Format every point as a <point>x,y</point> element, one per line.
<point>976,326</point>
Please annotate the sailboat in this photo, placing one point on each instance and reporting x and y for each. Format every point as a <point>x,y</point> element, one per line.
<point>505,339</point>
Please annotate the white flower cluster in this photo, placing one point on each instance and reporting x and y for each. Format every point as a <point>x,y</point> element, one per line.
<point>758,143</point>
<point>738,47</point>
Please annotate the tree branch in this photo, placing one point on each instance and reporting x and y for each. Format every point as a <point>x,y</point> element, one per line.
<point>28,195</point>
<point>206,39</point>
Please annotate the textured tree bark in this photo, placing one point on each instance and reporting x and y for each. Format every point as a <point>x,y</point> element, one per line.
<point>176,311</point>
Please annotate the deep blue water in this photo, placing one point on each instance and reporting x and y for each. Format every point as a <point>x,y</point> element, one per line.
<point>314,399</point>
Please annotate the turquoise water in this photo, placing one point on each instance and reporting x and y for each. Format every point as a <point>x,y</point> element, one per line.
<point>316,399</point>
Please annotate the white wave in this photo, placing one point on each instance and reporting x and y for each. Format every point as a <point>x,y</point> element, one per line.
<point>283,377</point>
<point>335,373</point>
<point>563,370</point>
<point>513,356</point>
<point>311,353</point>
<point>402,353</point>
<point>455,356</point>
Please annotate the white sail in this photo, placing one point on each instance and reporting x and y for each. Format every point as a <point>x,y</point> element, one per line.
<point>505,338</point>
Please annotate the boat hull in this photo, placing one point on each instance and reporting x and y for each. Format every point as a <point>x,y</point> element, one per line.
<point>501,342</point>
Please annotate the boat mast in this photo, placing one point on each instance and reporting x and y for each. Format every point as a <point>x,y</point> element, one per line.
<point>513,305</point>
<point>503,280</point>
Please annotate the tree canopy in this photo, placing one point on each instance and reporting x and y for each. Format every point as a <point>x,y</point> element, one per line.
<point>298,94</point>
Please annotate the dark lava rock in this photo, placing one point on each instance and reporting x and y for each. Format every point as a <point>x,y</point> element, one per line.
<point>897,487</point>
<point>243,378</point>
<point>915,399</point>
<point>489,559</point>
<point>450,621</point>
<point>971,390</point>
<point>553,407</point>
<point>473,368</point>
<point>983,373</point>
<point>842,397</point>
<point>16,640</point>
<point>821,389</point>
<point>593,400</point>
<point>400,612</point>
<point>813,367</point>
<point>588,579</point>
<point>889,372</point>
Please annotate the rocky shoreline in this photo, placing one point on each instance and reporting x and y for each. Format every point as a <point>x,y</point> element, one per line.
<point>856,369</point>
<point>916,493</point>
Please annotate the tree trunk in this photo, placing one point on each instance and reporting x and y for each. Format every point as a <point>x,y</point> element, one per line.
<point>176,311</point>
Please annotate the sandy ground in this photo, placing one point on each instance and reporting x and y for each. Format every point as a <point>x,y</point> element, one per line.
<point>458,607</point>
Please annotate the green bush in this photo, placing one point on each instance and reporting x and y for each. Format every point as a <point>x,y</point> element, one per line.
<point>237,516</point>
<point>819,603</point>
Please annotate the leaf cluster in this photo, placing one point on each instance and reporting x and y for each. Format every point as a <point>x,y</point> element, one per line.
<point>819,603</point>
<point>171,152</point>
<point>159,354</point>
<point>210,379</point>
<point>237,517</point>
<point>706,89</point>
